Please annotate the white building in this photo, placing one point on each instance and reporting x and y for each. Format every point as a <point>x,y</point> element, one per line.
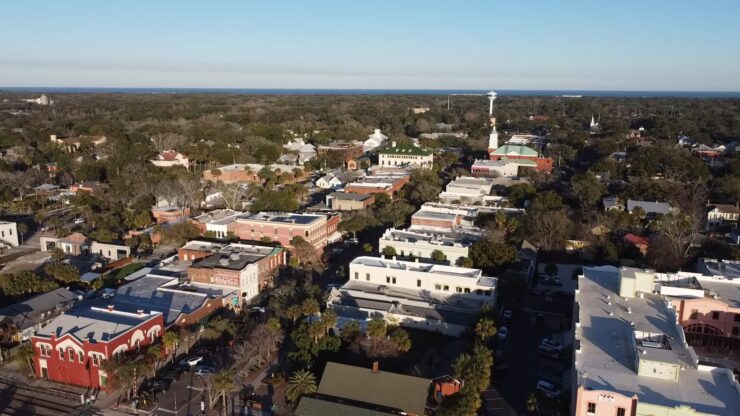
<point>329,181</point>
<point>9,234</point>
<point>504,168</point>
<point>405,156</point>
<point>221,223</point>
<point>421,243</point>
<point>432,297</point>
<point>305,151</point>
<point>374,141</point>
<point>467,190</point>
<point>719,214</point>
<point>170,158</point>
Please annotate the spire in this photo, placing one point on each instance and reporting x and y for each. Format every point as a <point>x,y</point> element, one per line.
<point>593,122</point>
<point>493,137</point>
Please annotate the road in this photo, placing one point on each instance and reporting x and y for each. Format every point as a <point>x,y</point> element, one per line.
<point>183,397</point>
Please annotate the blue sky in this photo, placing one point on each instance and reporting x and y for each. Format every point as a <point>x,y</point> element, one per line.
<point>567,44</point>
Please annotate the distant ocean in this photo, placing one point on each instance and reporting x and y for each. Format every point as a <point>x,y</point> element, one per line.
<point>294,91</point>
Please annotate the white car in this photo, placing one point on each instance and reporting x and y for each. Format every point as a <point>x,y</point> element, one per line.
<point>503,332</point>
<point>548,388</point>
<point>192,360</point>
<point>203,370</point>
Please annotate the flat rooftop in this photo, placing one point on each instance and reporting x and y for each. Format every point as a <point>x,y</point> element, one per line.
<point>283,218</point>
<point>438,269</point>
<point>442,238</point>
<point>728,291</point>
<point>93,323</point>
<point>219,216</point>
<point>607,358</point>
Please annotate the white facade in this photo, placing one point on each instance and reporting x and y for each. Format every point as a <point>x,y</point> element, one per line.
<point>169,159</point>
<point>422,243</point>
<point>374,141</point>
<point>431,278</point>
<point>493,137</point>
<point>110,251</point>
<point>500,168</point>
<point>467,190</point>
<point>9,234</point>
<point>402,156</point>
<point>328,182</point>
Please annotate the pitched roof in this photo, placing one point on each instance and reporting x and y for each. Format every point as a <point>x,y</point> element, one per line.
<point>23,313</point>
<point>649,206</point>
<point>319,405</point>
<point>726,208</point>
<point>635,239</point>
<point>514,150</point>
<point>398,391</point>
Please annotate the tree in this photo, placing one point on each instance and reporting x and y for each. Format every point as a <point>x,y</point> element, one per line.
<point>171,340</point>
<point>232,194</point>
<point>377,328</point>
<point>293,312</point>
<point>367,248</point>
<point>389,252</point>
<point>300,383</point>
<point>154,355</point>
<point>439,256</point>
<point>485,329</point>
<point>588,189</point>
<point>532,403</point>
<point>223,383</point>
<point>65,273</point>
<point>24,283</point>
<point>357,222</point>
<point>671,247</point>
<point>310,307</point>
<point>401,339</point>
<point>328,319</point>
<point>424,186</point>
<point>351,331</point>
<point>306,254</point>
<point>548,229</point>
<point>519,193</point>
<point>486,254</point>
<point>22,230</point>
<point>281,200</point>
<point>464,262</point>
<point>57,254</point>
<point>24,356</point>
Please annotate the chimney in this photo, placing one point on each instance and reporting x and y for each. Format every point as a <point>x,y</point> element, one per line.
<point>376,367</point>
<point>110,308</point>
<point>140,312</point>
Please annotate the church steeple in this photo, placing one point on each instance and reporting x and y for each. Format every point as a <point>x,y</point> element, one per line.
<point>493,137</point>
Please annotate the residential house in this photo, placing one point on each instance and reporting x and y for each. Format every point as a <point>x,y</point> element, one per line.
<point>304,151</point>
<point>405,156</point>
<point>91,187</point>
<point>170,158</point>
<point>432,297</point>
<point>74,347</point>
<point>9,234</point>
<point>329,181</point>
<point>706,152</point>
<point>374,141</point>
<point>720,214</point>
<point>72,144</point>
<point>347,201</point>
<point>77,244</point>
<point>611,203</point>
<point>649,207</point>
<point>350,390</point>
<point>631,356</point>
<point>22,319</point>
<point>642,243</point>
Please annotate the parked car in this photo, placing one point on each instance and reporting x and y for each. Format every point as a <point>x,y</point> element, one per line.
<point>549,389</point>
<point>192,360</point>
<point>170,376</point>
<point>257,309</point>
<point>506,316</point>
<point>503,332</point>
<point>156,386</point>
<point>331,286</point>
<point>548,351</point>
<point>353,240</point>
<point>549,342</point>
<point>79,220</point>
<point>204,370</point>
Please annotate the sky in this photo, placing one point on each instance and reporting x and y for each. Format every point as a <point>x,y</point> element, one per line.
<point>653,45</point>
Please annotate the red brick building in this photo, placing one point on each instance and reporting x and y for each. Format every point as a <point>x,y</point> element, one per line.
<point>379,184</point>
<point>74,347</point>
<point>521,152</point>
<point>282,227</point>
<point>345,151</point>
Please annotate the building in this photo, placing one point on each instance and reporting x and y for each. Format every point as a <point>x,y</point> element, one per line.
<point>246,268</point>
<point>9,234</point>
<point>421,243</point>
<point>329,181</point>
<point>374,141</point>
<point>91,187</point>
<point>73,144</point>
<point>526,139</point>
<point>350,390</point>
<point>467,190</point>
<point>444,217</point>
<point>642,243</point>
<point>502,168</point>
<point>649,207</point>
<point>168,214</point>
<point>705,152</point>
<point>249,173</point>
<point>22,319</point>
<point>520,153</point>
<point>341,150</point>
<point>304,151</point>
<point>170,158</point>
<point>77,244</point>
<point>220,223</point>
<point>432,297</point>
<point>282,227</point>
<point>347,201</point>
<point>720,214</point>
<point>74,347</point>
<point>387,184</point>
<point>632,358</point>
<point>405,156</point>
<point>611,203</point>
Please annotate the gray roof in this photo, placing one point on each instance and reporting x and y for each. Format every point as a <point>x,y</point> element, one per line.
<point>24,313</point>
<point>649,206</point>
<point>350,196</point>
<point>382,388</point>
<point>93,323</point>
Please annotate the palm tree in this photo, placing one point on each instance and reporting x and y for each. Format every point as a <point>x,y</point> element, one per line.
<point>223,383</point>
<point>170,341</point>
<point>300,383</point>
<point>532,403</point>
<point>485,328</point>
<point>154,354</point>
<point>24,355</point>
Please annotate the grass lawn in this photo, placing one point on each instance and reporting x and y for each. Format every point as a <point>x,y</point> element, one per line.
<point>126,270</point>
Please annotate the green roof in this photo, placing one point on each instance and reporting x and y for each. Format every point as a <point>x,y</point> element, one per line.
<point>398,391</point>
<point>514,150</point>
<point>314,406</point>
<point>406,150</point>
<point>520,162</point>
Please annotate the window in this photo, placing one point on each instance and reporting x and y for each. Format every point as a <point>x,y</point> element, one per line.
<point>393,279</point>
<point>367,276</point>
<point>446,288</point>
<point>621,411</point>
<point>387,279</point>
<point>71,355</point>
<point>96,360</point>
<point>466,290</point>
<point>735,330</point>
<point>61,354</point>
<point>715,315</point>
<point>591,408</point>
<point>306,233</point>
<point>81,356</point>
<point>458,289</point>
<point>437,287</point>
<point>418,282</point>
<point>737,317</point>
<point>694,314</point>
<point>357,276</point>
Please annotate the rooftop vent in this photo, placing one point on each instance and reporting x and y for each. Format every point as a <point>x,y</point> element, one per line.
<point>234,256</point>
<point>224,261</point>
